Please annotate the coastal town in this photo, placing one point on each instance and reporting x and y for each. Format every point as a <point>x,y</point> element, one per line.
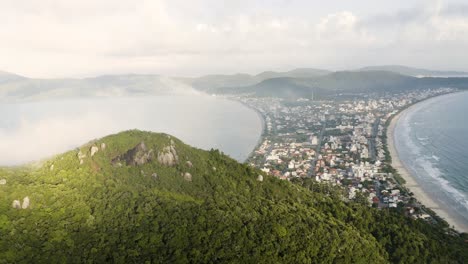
<point>342,142</point>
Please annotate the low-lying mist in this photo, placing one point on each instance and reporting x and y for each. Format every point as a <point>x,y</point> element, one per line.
<point>37,130</point>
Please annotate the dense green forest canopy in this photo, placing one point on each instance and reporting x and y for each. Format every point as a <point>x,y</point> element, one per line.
<point>140,197</point>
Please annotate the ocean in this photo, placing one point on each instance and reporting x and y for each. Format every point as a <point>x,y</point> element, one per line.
<point>37,130</point>
<point>432,142</point>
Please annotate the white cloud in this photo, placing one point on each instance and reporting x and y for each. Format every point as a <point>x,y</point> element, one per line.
<point>67,38</point>
<point>343,27</point>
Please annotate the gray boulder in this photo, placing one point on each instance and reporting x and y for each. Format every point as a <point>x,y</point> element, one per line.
<point>25,202</point>
<point>188,177</point>
<point>81,157</point>
<point>16,204</point>
<point>94,150</point>
<point>168,156</point>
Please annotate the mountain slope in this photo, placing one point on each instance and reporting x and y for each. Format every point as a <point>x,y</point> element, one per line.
<point>210,83</point>
<point>102,86</point>
<point>414,71</point>
<point>215,83</point>
<point>139,196</point>
<point>330,84</point>
<point>296,73</point>
<point>6,77</point>
<point>345,83</point>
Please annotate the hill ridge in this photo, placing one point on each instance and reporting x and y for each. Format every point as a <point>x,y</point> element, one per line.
<point>201,207</point>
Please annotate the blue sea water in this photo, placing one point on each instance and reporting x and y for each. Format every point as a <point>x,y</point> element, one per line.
<point>432,141</point>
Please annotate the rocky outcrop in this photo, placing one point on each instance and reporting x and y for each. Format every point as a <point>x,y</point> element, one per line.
<point>94,150</point>
<point>81,157</point>
<point>2,181</point>
<point>260,178</point>
<point>25,202</point>
<point>168,156</point>
<point>138,155</point>
<point>16,204</point>
<point>189,164</point>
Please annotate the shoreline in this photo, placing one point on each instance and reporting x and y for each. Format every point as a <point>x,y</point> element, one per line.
<point>411,183</point>
<point>262,135</point>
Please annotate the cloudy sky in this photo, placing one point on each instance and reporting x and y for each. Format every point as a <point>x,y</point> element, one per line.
<point>52,38</point>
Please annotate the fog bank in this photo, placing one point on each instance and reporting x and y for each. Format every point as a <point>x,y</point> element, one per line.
<point>34,131</point>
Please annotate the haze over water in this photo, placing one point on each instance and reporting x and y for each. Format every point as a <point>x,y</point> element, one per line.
<point>37,130</point>
<point>432,141</point>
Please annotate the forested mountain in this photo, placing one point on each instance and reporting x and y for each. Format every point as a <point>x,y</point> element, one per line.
<point>414,71</point>
<point>138,197</point>
<point>214,83</point>
<point>307,83</point>
<point>347,82</point>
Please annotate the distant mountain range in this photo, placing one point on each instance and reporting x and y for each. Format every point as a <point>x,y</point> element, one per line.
<point>210,83</point>
<point>6,77</point>
<point>415,71</point>
<point>14,87</point>
<point>304,82</point>
<point>348,82</point>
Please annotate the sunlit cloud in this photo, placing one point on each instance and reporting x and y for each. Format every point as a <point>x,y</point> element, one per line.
<point>85,38</point>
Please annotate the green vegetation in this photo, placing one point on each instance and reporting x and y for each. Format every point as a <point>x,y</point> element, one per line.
<point>211,83</point>
<point>99,212</point>
<point>344,83</point>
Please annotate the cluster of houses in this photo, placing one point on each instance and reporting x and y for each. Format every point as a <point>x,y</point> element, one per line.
<point>340,142</point>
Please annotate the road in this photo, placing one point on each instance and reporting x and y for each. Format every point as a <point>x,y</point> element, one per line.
<point>317,149</point>
<point>371,140</point>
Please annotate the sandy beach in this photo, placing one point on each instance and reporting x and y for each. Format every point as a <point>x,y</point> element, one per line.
<point>411,183</point>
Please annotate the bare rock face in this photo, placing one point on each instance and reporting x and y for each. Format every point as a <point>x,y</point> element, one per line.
<point>25,202</point>
<point>138,155</point>
<point>260,178</point>
<point>168,156</point>
<point>2,182</point>
<point>81,157</point>
<point>188,177</point>
<point>16,204</point>
<point>94,150</point>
